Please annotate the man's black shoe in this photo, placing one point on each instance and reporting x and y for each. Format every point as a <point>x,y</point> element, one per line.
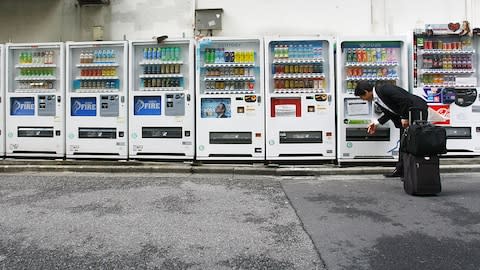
<point>395,173</point>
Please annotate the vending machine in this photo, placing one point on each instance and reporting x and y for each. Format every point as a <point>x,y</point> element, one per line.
<point>300,98</point>
<point>35,100</point>
<point>445,74</point>
<point>2,100</point>
<point>96,92</point>
<point>230,119</point>
<point>161,96</point>
<point>367,59</point>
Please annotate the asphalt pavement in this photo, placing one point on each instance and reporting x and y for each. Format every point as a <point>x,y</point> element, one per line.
<point>81,220</point>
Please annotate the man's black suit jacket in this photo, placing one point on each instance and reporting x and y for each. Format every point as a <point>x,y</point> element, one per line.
<point>399,101</point>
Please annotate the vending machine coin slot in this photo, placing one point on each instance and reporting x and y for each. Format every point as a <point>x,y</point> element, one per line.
<point>175,104</point>
<point>109,105</point>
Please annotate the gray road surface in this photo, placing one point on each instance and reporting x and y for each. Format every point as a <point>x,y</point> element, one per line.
<point>368,222</point>
<point>184,221</point>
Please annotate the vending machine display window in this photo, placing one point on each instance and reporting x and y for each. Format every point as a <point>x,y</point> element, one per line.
<point>216,108</point>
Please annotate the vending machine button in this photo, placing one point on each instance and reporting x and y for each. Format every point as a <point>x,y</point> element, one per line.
<point>187,133</point>
<point>121,134</point>
<point>57,133</point>
<point>258,135</point>
<point>311,109</point>
<point>240,109</point>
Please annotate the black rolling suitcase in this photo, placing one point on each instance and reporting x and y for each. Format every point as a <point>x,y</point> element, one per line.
<point>421,175</point>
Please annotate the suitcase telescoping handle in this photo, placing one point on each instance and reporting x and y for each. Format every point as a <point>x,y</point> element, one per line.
<point>414,109</point>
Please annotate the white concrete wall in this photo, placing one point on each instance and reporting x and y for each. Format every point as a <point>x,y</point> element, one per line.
<point>53,20</point>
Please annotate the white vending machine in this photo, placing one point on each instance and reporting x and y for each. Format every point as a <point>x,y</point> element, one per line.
<point>300,99</point>
<point>35,100</point>
<point>2,100</point>
<point>161,96</point>
<point>445,74</point>
<point>96,92</point>
<point>230,99</point>
<point>367,59</point>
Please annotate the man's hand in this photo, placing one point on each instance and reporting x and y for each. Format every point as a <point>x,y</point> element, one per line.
<point>372,128</point>
<point>405,123</point>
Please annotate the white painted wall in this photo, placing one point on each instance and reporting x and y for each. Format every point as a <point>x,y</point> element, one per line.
<point>298,17</point>
<point>53,20</point>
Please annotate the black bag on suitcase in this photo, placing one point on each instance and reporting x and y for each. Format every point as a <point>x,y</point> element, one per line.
<point>423,139</point>
<point>421,175</point>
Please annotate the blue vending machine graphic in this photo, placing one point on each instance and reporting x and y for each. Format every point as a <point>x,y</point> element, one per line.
<point>84,106</point>
<point>22,106</point>
<point>147,105</point>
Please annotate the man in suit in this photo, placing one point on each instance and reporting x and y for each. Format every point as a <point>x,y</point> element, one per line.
<point>395,104</point>
<point>220,110</point>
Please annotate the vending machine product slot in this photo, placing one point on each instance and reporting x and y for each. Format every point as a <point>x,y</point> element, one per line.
<point>230,137</point>
<point>459,132</point>
<point>300,137</point>
<point>162,132</point>
<point>35,132</point>
<point>97,133</point>
<point>360,134</point>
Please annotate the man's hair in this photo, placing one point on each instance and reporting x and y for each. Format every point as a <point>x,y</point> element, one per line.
<point>362,87</point>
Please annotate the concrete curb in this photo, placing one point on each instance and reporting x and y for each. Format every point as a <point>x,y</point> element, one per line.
<point>165,167</point>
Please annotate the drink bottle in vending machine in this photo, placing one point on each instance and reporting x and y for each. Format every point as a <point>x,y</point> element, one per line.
<point>35,100</point>
<point>300,98</point>
<point>161,94</point>
<point>229,99</point>
<point>97,98</point>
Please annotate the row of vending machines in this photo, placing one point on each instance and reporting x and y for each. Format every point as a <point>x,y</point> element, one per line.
<point>229,98</point>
